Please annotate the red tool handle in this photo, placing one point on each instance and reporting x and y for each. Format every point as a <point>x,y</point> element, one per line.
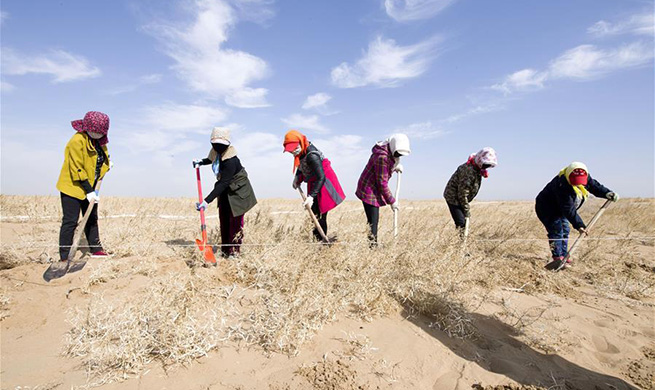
<point>203,227</point>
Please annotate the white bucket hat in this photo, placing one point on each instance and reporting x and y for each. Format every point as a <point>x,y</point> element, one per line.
<point>220,135</point>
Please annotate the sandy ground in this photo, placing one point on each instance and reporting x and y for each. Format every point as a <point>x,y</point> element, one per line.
<point>603,342</point>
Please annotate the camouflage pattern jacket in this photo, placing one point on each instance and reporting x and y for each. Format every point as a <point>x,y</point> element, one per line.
<point>463,186</point>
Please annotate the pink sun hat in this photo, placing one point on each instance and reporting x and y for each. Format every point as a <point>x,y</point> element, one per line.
<point>95,122</point>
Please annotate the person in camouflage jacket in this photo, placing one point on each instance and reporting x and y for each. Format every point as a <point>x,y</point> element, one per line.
<point>465,183</point>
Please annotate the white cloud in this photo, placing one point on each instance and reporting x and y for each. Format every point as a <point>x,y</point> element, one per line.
<point>183,118</point>
<point>423,130</point>
<point>477,110</point>
<point>143,80</point>
<point>316,101</point>
<point>638,24</point>
<point>523,80</point>
<point>588,62</point>
<point>165,131</point>
<point>408,10</point>
<point>63,66</point>
<point>6,87</point>
<point>305,123</point>
<point>153,78</point>
<point>385,64</point>
<point>585,62</point>
<point>248,98</point>
<point>202,62</point>
<point>3,16</point>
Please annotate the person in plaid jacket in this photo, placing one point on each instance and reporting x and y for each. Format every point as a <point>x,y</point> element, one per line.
<point>373,186</point>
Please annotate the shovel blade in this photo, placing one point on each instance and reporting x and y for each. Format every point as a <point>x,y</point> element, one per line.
<point>207,251</point>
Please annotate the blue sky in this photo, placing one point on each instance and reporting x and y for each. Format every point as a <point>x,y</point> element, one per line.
<point>543,82</point>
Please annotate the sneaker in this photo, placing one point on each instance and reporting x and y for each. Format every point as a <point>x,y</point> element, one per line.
<point>100,255</point>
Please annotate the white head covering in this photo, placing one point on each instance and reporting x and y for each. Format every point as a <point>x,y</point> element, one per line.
<point>486,156</point>
<point>220,135</point>
<point>399,143</point>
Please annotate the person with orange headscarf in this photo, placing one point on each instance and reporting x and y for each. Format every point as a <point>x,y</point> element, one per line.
<point>323,189</point>
<point>558,203</point>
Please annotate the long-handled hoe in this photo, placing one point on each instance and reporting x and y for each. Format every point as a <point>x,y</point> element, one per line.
<point>57,270</point>
<point>557,265</point>
<point>206,249</point>
<point>395,212</point>
<point>311,214</point>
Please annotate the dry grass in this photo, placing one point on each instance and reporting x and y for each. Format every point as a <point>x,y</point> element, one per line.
<point>284,289</point>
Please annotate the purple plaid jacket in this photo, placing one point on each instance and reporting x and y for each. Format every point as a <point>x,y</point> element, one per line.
<point>373,185</point>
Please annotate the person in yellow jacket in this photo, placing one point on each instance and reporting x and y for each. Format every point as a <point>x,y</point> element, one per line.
<point>86,160</point>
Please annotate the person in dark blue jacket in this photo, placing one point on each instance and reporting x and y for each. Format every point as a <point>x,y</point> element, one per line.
<point>558,203</point>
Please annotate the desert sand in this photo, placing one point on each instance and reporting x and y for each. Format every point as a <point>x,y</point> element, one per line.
<point>419,312</point>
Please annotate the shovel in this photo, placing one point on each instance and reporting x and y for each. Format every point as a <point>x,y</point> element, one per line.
<point>559,264</point>
<point>395,212</point>
<point>311,214</point>
<point>207,250</point>
<point>57,270</point>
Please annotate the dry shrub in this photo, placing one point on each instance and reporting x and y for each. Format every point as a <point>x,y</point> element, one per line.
<point>175,320</point>
<point>289,288</point>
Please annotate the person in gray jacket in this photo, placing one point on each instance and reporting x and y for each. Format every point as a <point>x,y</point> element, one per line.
<point>232,188</point>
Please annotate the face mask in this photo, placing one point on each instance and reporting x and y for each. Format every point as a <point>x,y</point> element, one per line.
<point>296,151</point>
<point>95,135</point>
<point>219,148</point>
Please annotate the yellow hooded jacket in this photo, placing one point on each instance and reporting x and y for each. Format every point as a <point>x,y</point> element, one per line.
<point>80,159</point>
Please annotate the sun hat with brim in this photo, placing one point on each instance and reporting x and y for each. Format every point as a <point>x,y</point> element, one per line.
<point>220,135</point>
<point>578,177</point>
<point>291,146</point>
<point>94,122</point>
<point>220,141</point>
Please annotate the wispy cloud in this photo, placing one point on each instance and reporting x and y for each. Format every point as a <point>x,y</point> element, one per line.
<point>149,79</point>
<point>408,10</point>
<point>165,131</point>
<point>318,100</point>
<point>248,98</point>
<point>6,87</point>
<point>637,24</point>
<point>61,65</point>
<point>183,118</point>
<point>3,16</point>
<point>385,64</point>
<point>523,80</point>
<point>589,62</point>
<point>305,123</point>
<point>477,110</point>
<point>202,62</point>
<point>582,63</point>
<point>422,130</point>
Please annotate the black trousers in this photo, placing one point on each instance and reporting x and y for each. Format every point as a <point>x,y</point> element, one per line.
<point>373,218</point>
<point>71,208</point>
<point>322,221</point>
<point>457,212</point>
